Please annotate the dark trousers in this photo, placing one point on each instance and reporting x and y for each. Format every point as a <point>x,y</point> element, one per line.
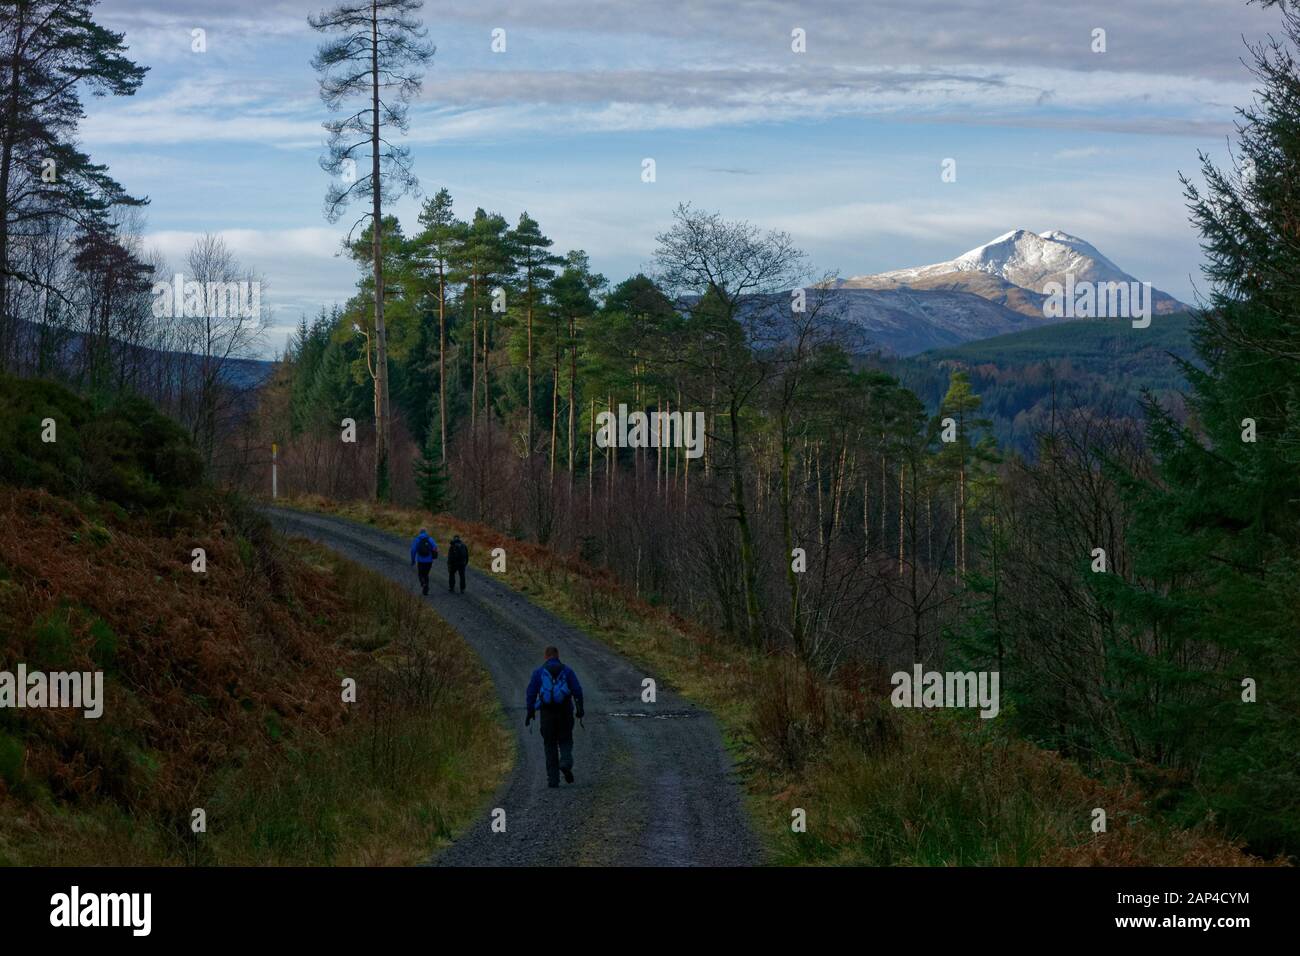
<point>557,740</point>
<point>451,577</point>
<point>423,571</point>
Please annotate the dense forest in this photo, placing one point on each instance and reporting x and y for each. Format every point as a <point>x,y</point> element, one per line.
<point>1134,579</point>
<point>1025,378</point>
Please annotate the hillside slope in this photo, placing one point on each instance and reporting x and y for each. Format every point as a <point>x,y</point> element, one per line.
<point>221,687</point>
<point>905,321</point>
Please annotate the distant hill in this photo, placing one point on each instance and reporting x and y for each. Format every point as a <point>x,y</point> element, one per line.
<point>1100,363</point>
<point>906,321</point>
<point>64,351</point>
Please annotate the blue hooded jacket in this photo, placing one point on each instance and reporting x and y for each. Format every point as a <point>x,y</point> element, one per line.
<point>556,669</point>
<point>415,543</point>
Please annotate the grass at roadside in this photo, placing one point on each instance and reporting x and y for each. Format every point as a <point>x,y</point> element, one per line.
<point>223,692</point>
<point>878,786</point>
<point>401,780</point>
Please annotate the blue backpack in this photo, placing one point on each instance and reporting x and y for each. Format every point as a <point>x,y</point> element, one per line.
<point>554,690</point>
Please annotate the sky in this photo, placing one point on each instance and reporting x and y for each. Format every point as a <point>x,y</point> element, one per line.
<point>842,145</point>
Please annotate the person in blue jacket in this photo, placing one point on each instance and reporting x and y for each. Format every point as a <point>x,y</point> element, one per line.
<point>556,689</point>
<point>424,551</point>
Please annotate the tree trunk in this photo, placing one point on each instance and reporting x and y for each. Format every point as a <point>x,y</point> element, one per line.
<point>821,525</point>
<point>573,393</point>
<point>837,494</point>
<point>473,353</point>
<point>902,468</point>
<point>929,529</point>
<point>712,429</point>
<point>377,233</point>
<point>442,359</point>
<point>529,432</point>
<point>961,486</point>
<point>884,505</point>
<point>678,448</point>
<point>791,576</point>
<point>487,389</point>
<point>918,602</point>
<point>659,449</point>
<point>748,557</point>
<point>866,516</point>
<point>555,400</point>
<point>956,538</point>
<point>686,476</point>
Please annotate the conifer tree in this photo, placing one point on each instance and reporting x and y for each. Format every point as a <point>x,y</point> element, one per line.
<point>436,246</point>
<point>529,250</point>
<point>50,52</point>
<point>1213,604</point>
<point>431,474</point>
<point>374,55</point>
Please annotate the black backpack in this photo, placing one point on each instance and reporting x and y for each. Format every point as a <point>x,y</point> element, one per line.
<point>424,548</point>
<point>459,553</point>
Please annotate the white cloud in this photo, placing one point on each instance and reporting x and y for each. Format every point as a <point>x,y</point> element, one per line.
<point>300,268</point>
<point>1083,152</point>
<point>511,105</point>
<point>1184,37</point>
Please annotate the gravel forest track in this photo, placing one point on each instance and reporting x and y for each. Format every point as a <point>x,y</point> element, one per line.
<point>653,786</point>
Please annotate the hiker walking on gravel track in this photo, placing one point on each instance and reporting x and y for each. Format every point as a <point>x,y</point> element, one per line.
<point>457,560</point>
<point>555,687</point>
<point>424,551</point>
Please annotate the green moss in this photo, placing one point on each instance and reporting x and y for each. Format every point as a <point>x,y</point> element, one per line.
<point>52,639</point>
<point>273,726</point>
<point>105,649</point>
<point>11,761</point>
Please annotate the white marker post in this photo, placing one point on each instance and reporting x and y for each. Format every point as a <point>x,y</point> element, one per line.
<point>273,475</point>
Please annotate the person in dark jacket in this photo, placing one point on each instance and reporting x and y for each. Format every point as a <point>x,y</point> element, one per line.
<point>457,559</point>
<point>424,551</point>
<point>556,689</point>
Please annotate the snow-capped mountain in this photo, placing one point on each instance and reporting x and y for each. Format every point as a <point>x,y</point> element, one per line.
<point>1022,258</point>
<point>991,290</point>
